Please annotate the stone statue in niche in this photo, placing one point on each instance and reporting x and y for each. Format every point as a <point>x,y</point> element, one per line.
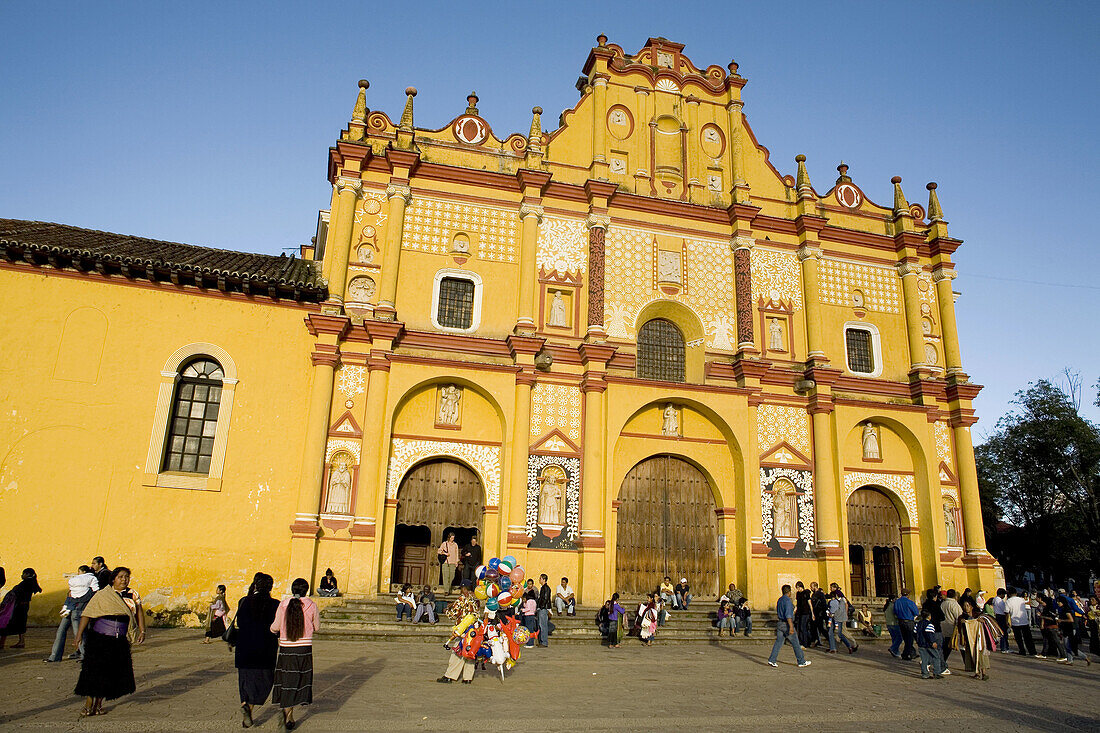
<point>552,497</point>
<point>668,267</point>
<point>783,524</point>
<point>449,399</point>
<point>339,485</point>
<point>951,524</point>
<point>559,316</point>
<point>871,450</point>
<point>775,335</point>
<point>671,424</point>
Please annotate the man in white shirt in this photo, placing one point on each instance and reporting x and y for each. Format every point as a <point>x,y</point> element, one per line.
<point>82,587</point>
<point>564,599</point>
<point>1016,606</point>
<point>1001,615</point>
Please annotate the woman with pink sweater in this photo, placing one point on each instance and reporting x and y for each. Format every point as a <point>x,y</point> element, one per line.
<point>295,621</point>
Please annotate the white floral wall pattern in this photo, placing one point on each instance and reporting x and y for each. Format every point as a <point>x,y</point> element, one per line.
<point>572,468</point>
<point>562,245</point>
<point>430,224</point>
<point>782,423</point>
<point>776,275</point>
<point>352,379</point>
<point>629,283</point>
<point>943,441</point>
<point>556,407</point>
<point>804,482</point>
<point>339,444</point>
<point>902,485</point>
<point>485,459</point>
<point>879,285</point>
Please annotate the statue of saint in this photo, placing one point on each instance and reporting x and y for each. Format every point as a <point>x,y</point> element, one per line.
<point>775,335</point>
<point>550,496</point>
<point>781,515</point>
<point>870,443</point>
<point>558,314</point>
<point>339,487</point>
<point>671,425</point>
<point>449,397</point>
<point>951,524</point>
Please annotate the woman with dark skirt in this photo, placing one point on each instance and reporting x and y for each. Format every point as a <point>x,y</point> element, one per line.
<point>20,596</point>
<point>216,617</point>
<point>256,645</point>
<point>295,621</point>
<point>107,670</point>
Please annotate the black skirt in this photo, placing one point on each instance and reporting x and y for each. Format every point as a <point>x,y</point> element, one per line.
<point>255,685</point>
<point>107,670</point>
<point>293,676</point>
<point>217,628</point>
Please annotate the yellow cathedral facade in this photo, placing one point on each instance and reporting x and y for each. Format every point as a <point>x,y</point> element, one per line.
<point>620,349</point>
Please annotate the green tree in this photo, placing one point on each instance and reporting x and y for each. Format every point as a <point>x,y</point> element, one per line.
<point>1040,470</point>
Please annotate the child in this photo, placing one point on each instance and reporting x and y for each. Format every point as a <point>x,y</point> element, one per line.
<point>215,622</point>
<point>529,611</point>
<point>930,647</point>
<point>725,618</point>
<point>405,602</point>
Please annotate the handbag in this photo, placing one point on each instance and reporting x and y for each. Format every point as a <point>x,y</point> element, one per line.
<point>229,636</point>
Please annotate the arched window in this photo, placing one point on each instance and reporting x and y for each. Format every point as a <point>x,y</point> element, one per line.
<point>661,351</point>
<point>194,419</point>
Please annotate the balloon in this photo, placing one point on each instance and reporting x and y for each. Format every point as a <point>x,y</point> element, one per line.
<point>504,568</point>
<point>516,599</point>
<point>492,604</point>
<point>521,635</point>
<point>505,582</point>
<point>517,575</point>
<point>480,593</point>
<point>494,563</point>
<point>491,575</point>
<point>479,572</point>
<point>492,590</point>
<point>504,599</point>
<point>509,559</point>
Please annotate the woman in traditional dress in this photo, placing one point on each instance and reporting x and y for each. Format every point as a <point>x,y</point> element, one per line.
<point>615,619</point>
<point>295,620</point>
<point>974,637</point>
<point>20,597</point>
<point>215,619</point>
<point>648,626</point>
<point>107,670</point>
<point>256,645</point>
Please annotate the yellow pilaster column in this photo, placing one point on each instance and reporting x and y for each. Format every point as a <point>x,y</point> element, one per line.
<point>517,484</point>
<point>809,255</point>
<point>945,297</point>
<point>599,167</point>
<point>526,311</point>
<point>338,248</point>
<point>828,498</point>
<point>595,497</point>
<point>399,196</point>
<point>909,272</point>
<point>305,529</point>
<point>973,527</point>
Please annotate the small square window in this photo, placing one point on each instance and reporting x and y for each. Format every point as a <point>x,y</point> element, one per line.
<point>861,354</point>
<point>456,303</point>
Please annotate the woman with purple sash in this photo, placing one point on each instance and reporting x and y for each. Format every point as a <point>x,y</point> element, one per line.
<point>107,671</point>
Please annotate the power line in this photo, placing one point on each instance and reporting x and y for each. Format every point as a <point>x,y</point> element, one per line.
<point>1033,282</point>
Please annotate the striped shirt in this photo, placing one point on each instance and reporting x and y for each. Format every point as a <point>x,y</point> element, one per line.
<point>312,623</point>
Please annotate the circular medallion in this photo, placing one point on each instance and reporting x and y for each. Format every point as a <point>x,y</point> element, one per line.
<point>848,195</point>
<point>470,130</point>
<point>371,206</point>
<point>712,140</point>
<point>620,123</point>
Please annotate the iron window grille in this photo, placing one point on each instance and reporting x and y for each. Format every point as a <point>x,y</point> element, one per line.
<point>195,404</point>
<point>661,351</point>
<point>861,355</point>
<point>456,303</point>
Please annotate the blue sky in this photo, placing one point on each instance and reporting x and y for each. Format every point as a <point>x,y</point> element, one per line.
<point>209,123</point>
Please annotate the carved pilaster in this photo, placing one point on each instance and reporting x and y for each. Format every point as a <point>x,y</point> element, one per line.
<point>596,233</point>
<point>742,284</point>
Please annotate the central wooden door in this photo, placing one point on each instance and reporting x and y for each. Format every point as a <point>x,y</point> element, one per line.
<point>434,496</point>
<point>874,532</point>
<point>666,526</point>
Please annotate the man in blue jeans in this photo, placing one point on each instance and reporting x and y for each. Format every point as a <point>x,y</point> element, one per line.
<point>82,587</point>
<point>542,612</point>
<point>906,611</point>
<point>784,630</point>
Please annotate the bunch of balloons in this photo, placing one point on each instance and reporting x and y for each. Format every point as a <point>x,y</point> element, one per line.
<point>499,583</point>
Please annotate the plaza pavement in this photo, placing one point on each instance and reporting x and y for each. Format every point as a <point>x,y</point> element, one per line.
<point>184,685</point>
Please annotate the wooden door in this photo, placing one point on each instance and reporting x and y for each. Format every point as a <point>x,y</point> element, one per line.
<point>856,576</point>
<point>666,526</point>
<point>434,496</point>
<point>874,522</point>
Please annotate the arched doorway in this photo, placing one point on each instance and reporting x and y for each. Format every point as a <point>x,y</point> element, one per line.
<point>874,544</point>
<point>666,526</point>
<point>436,496</point>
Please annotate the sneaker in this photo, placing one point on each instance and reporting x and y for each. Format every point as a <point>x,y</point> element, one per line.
<point>854,649</point>
<point>807,663</point>
<point>945,672</point>
<point>75,655</point>
<point>1063,660</point>
<point>467,682</point>
<point>774,664</point>
<point>895,655</point>
<point>1040,656</point>
<point>444,680</point>
<point>926,676</point>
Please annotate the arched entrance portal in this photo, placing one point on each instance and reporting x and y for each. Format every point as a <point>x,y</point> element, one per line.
<point>436,496</point>
<point>874,543</point>
<point>666,526</point>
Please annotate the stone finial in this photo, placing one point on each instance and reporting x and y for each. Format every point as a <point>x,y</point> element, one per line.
<point>535,136</point>
<point>802,180</point>
<point>900,204</point>
<point>733,66</point>
<point>471,103</point>
<point>407,115</point>
<point>935,213</point>
<point>601,40</point>
<point>843,170</point>
<point>359,114</point>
